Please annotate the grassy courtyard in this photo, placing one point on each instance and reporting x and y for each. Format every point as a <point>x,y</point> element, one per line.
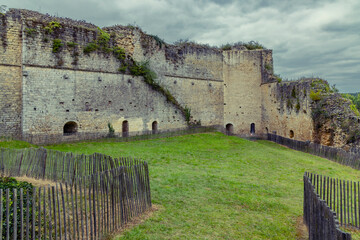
<point>213,186</point>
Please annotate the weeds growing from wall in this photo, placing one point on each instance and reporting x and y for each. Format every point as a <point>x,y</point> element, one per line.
<point>111,133</point>
<point>30,32</point>
<point>119,53</point>
<point>226,47</point>
<point>268,67</point>
<point>71,44</point>
<point>187,112</point>
<point>51,27</point>
<point>143,69</point>
<point>315,96</point>
<point>158,40</point>
<point>91,47</point>
<point>57,45</point>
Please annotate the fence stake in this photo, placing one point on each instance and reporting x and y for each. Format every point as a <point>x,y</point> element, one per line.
<point>14,213</point>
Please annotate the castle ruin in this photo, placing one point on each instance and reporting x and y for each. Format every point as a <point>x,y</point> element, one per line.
<point>50,86</point>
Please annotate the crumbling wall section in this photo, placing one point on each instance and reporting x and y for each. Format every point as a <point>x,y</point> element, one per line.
<point>286,109</point>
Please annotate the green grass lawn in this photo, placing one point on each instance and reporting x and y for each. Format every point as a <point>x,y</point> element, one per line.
<point>213,186</point>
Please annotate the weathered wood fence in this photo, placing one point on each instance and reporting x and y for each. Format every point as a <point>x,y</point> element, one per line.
<point>343,197</point>
<point>350,158</point>
<point>93,195</point>
<point>320,219</point>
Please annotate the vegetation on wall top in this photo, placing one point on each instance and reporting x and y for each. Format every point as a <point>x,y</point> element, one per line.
<point>355,100</point>
<point>251,45</point>
<point>52,26</point>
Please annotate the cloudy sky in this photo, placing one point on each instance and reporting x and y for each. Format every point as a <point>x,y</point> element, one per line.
<point>319,38</point>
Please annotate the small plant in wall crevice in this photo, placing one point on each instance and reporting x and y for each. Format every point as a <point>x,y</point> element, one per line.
<point>57,45</point>
<point>111,133</point>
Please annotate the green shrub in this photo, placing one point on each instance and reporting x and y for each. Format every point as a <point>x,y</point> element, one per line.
<point>354,109</point>
<point>57,45</point>
<point>252,45</point>
<point>278,78</point>
<point>103,38</point>
<point>293,93</point>
<point>268,67</point>
<point>12,183</point>
<point>91,47</point>
<point>187,112</point>
<point>315,96</point>
<point>119,53</point>
<point>51,27</point>
<point>123,68</point>
<point>111,133</point>
<point>71,44</point>
<point>226,47</point>
<point>30,32</point>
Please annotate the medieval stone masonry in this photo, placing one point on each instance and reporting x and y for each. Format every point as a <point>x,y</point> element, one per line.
<point>53,84</point>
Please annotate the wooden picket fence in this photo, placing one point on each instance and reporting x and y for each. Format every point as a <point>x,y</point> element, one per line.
<point>349,158</point>
<point>86,202</point>
<point>320,219</point>
<point>342,196</point>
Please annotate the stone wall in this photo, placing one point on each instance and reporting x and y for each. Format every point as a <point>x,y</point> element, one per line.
<point>286,109</point>
<point>243,77</point>
<point>10,75</point>
<point>55,96</point>
<point>44,87</point>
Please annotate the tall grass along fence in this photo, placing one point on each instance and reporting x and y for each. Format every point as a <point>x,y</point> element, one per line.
<point>350,158</point>
<point>88,196</point>
<point>330,204</point>
<point>120,137</point>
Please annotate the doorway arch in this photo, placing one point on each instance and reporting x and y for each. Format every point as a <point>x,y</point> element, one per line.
<point>229,129</point>
<point>70,128</point>
<point>252,128</point>
<point>154,127</point>
<point>292,134</point>
<point>125,128</point>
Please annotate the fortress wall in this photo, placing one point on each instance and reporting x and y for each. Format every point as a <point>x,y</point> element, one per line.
<point>218,86</point>
<point>10,75</point>
<point>54,97</point>
<point>242,80</point>
<point>286,107</point>
<point>38,49</point>
<point>192,73</point>
<point>85,88</point>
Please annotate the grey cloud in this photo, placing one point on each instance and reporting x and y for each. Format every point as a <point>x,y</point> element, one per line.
<point>309,37</point>
<point>338,28</point>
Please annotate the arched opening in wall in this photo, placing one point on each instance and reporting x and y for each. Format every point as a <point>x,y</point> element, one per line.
<point>229,129</point>
<point>154,127</point>
<point>252,128</point>
<point>267,130</point>
<point>70,128</point>
<point>291,134</point>
<point>125,128</point>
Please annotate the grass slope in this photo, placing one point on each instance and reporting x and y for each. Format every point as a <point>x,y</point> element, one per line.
<point>213,186</point>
